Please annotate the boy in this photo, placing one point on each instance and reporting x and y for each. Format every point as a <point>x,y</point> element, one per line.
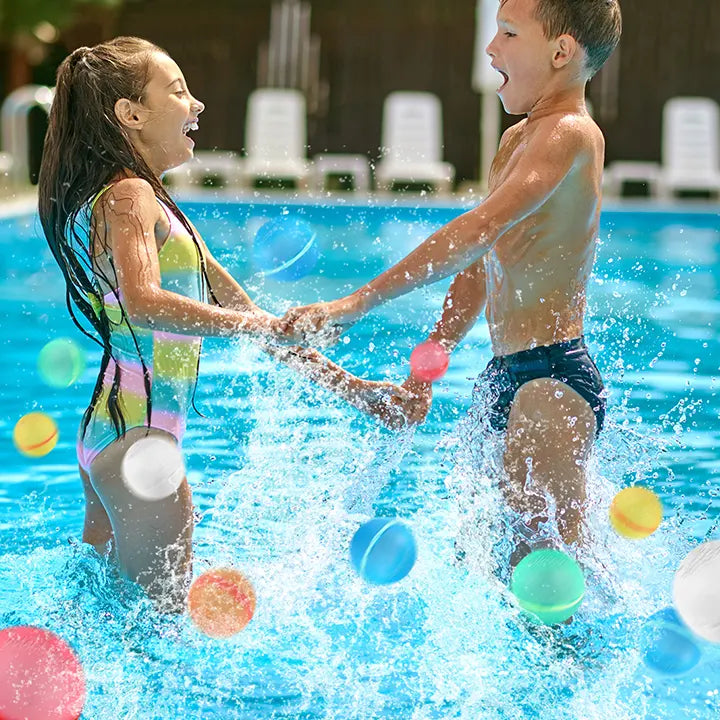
<point>525,254</point>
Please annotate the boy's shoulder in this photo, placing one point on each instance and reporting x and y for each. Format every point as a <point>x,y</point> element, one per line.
<point>573,132</point>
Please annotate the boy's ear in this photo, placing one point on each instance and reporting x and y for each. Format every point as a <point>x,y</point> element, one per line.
<point>566,47</point>
<point>130,114</point>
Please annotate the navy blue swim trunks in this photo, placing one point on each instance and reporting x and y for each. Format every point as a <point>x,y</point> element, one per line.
<point>567,361</point>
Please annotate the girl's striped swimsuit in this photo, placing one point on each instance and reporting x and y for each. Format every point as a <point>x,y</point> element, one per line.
<point>171,360</point>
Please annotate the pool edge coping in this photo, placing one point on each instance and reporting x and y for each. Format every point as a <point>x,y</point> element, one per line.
<point>27,204</point>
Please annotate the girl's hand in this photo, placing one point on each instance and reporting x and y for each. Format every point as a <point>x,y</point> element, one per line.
<point>274,328</point>
<point>419,400</point>
<point>322,324</point>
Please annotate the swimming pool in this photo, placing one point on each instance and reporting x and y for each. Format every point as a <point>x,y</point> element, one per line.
<point>282,474</point>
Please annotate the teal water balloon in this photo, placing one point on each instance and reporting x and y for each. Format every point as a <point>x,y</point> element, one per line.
<point>383,550</point>
<point>549,585</point>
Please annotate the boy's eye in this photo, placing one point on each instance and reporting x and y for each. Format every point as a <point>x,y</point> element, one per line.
<point>509,34</point>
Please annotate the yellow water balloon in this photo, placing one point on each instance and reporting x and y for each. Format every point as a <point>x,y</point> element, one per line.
<point>35,434</point>
<point>636,512</point>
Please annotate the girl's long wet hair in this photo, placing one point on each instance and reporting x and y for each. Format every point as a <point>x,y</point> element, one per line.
<point>86,147</point>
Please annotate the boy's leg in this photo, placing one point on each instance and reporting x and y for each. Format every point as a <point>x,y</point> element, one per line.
<point>153,539</point>
<point>97,530</point>
<point>550,432</point>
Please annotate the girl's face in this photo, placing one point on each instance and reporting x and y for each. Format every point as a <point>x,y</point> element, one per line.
<point>160,122</point>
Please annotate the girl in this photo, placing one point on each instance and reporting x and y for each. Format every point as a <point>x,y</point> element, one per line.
<point>142,277</point>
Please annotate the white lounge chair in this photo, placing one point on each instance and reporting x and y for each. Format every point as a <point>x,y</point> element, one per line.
<point>276,136</point>
<point>618,173</point>
<point>344,165</point>
<point>412,140</point>
<point>220,166</point>
<point>690,146</point>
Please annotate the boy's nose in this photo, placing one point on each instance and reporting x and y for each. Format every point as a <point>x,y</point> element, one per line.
<point>198,106</point>
<point>490,50</point>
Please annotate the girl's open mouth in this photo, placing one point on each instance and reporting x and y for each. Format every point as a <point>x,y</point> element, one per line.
<point>187,127</point>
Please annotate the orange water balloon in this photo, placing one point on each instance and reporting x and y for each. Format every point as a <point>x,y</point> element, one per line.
<point>221,602</point>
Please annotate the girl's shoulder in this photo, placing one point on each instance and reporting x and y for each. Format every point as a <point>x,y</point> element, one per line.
<point>129,189</point>
<point>130,196</point>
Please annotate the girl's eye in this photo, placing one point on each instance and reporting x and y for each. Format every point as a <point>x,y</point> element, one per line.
<point>181,93</point>
<point>509,34</point>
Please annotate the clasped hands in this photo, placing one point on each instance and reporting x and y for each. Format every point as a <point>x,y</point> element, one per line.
<point>321,324</point>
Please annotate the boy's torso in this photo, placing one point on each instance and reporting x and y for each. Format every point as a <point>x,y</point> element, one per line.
<point>536,274</point>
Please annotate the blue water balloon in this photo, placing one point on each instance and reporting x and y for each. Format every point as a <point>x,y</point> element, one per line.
<point>668,646</point>
<point>285,248</point>
<point>383,551</point>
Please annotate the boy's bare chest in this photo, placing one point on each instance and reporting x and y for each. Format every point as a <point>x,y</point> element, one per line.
<point>508,155</point>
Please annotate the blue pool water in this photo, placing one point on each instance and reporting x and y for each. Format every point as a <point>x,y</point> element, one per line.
<point>283,474</point>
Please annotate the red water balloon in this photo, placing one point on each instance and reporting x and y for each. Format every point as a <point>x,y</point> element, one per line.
<point>429,361</point>
<point>40,676</point>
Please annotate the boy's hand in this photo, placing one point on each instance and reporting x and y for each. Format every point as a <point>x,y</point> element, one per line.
<point>419,400</point>
<point>384,401</point>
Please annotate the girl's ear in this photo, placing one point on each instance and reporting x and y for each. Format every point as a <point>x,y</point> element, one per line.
<point>565,48</point>
<point>130,114</point>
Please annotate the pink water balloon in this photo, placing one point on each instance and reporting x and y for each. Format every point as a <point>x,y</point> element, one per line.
<point>429,361</point>
<point>40,676</point>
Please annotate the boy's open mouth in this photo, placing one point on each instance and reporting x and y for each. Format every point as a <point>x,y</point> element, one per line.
<point>505,79</point>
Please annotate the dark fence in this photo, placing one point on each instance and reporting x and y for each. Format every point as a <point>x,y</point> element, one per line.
<point>373,47</point>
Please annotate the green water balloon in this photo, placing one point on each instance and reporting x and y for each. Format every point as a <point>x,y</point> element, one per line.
<point>61,362</point>
<point>549,585</point>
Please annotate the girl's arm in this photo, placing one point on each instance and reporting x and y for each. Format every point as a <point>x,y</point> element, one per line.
<point>130,214</point>
<point>227,290</point>
<point>382,400</point>
<point>131,211</point>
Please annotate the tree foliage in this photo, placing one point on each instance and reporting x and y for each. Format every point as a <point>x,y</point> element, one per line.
<point>22,16</point>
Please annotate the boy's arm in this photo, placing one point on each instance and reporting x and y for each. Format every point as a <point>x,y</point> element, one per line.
<point>464,301</point>
<point>463,304</point>
<point>548,158</point>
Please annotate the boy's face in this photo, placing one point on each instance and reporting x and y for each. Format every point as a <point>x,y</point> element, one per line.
<point>522,54</point>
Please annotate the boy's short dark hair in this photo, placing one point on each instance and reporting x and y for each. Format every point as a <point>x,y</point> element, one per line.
<point>595,24</point>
